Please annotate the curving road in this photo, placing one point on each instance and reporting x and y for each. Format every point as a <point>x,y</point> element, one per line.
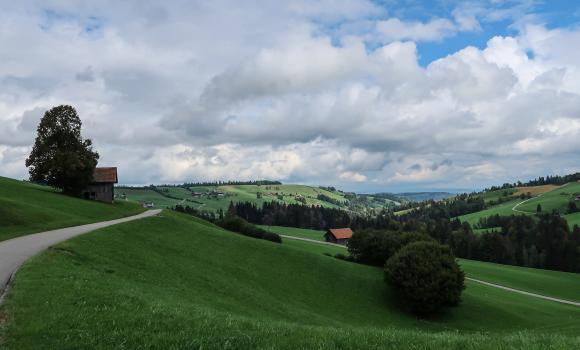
<point>14,252</point>
<point>514,208</point>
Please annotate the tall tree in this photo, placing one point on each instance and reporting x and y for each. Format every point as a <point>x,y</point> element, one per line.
<point>60,157</point>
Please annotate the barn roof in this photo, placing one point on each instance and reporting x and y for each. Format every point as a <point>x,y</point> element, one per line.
<point>341,233</point>
<point>105,175</point>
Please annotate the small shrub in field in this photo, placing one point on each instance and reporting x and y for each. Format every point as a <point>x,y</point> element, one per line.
<point>426,277</point>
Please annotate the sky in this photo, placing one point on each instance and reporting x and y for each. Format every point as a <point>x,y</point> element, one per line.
<point>367,96</point>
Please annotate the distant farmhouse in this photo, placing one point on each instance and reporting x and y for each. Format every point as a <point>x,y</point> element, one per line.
<point>338,235</point>
<point>103,186</point>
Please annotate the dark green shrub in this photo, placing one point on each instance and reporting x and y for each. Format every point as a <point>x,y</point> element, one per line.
<point>425,277</point>
<point>239,225</point>
<point>374,247</point>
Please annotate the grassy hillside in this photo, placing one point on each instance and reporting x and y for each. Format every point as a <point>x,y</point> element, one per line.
<point>296,232</point>
<point>257,194</point>
<point>550,197</point>
<point>556,199</point>
<point>147,195</point>
<point>28,208</point>
<point>315,248</point>
<point>556,284</point>
<point>504,209</point>
<point>175,282</point>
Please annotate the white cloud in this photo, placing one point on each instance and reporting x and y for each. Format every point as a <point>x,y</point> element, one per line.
<point>352,176</point>
<point>188,91</point>
<point>394,29</point>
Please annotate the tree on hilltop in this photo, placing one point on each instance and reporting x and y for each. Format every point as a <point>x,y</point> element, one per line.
<point>60,157</point>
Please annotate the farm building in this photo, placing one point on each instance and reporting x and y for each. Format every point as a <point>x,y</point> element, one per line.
<point>103,186</point>
<point>577,198</point>
<point>338,235</point>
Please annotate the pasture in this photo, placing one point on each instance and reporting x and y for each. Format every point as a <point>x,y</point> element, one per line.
<point>28,208</point>
<point>146,195</point>
<point>296,232</point>
<point>557,199</point>
<point>175,281</point>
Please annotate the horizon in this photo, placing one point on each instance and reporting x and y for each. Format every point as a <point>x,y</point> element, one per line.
<point>365,96</point>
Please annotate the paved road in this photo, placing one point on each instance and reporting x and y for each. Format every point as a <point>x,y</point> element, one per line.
<point>14,252</point>
<point>313,241</point>
<point>467,278</point>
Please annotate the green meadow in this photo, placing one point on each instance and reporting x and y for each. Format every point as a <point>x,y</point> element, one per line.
<point>563,285</point>
<point>169,196</point>
<point>146,195</point>
<point>28,208</point>
<point>557,199</point>
<point>549,197</point>
<point>504,209</point>
<point>296,232</point>
<point>176,282</point>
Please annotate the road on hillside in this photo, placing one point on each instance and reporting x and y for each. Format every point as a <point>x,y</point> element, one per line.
<point>563,301</point>
<point>14,252</point>
<point>524,292</point>
<point>529,199</point>
<point>312,241</point>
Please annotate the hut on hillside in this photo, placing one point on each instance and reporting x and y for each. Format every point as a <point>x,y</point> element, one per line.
<point>338,235</point>
<point>103,186</point>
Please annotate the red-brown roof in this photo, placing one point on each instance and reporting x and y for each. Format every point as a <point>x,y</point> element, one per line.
<point>341,233</point>
<point>106,175</point>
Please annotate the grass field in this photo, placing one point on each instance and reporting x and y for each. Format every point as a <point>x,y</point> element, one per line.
<point>145,195</point>
<point>550,197</point>
<point>28,208</point>
<point>176,282</point>
<point>504,209</point>
<point>557,199</point>
<point>563,285</point>
<point>296,232</point>
<point>289,194</point>
<point>314,247</point>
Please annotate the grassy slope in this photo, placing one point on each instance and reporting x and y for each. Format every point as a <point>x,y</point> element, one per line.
<point>557,199</point>
<point>557,284</point>
<point>314,247</point>
<point>143,195</point>
<point>221,290</point>
<point>551,283</point>
<point>296,232</point>
<point>27,208</point>
<point>552,198</point>
<point>504,209</point>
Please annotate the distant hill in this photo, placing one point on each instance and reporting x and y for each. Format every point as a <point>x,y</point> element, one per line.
<point>216,196</point>
<point>424,196</point>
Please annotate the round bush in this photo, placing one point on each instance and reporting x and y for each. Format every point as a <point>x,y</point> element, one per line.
<point>425,277</point>
<point>375,247</point>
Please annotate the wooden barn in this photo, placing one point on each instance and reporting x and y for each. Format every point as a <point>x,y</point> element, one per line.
<point>338,235</point>
<point>103,186</point>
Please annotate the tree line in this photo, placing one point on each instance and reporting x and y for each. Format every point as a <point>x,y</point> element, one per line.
<point>542,242</point>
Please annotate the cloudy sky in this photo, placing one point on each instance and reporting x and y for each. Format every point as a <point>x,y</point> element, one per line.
<point>364,95</point>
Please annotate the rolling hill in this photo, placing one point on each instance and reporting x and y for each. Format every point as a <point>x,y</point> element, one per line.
<point>174,282</point>
<point>28,208</point>
<point>550,197</point>
<point>213,198</point>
